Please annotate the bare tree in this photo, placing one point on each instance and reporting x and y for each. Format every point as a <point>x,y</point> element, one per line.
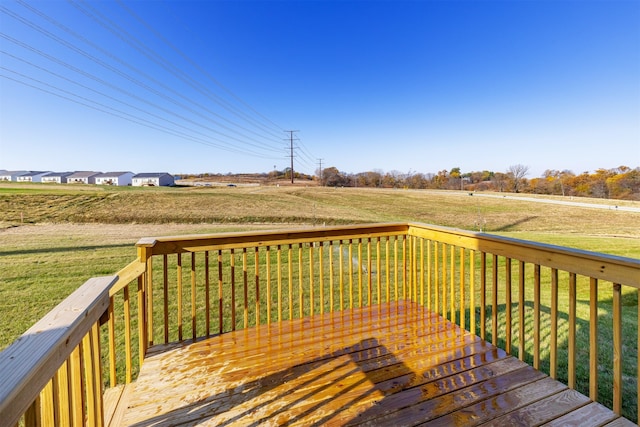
<point>517,173</point>
<point>499,180</point>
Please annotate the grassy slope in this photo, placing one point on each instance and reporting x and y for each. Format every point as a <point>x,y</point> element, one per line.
<point>40,265</point>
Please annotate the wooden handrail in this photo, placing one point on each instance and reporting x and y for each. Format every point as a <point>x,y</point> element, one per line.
<point>132,271</point>
<point>591,264</point>
<point>239,240</point>
<point>33,359</point>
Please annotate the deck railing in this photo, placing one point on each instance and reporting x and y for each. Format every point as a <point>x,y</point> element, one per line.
<point>559,309</point>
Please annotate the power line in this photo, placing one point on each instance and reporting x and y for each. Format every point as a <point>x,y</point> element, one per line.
<point>260,136</point>
<point>120,114</point>
<point>127,76</point>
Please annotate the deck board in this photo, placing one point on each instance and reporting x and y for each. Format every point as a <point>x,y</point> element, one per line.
<point>389,364</point>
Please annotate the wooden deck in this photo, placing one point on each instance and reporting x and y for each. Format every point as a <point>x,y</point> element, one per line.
<point>392,364</point>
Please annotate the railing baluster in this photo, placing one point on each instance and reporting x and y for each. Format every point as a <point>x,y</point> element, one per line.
<point>553,357</point>
<point>75,384</point>
<point>279,267</point>
<point>436,277</point>
<point>127,335</point>
<point>142,315</point>
<point>536,316</point>
<point>472,291</point>
<point>321,275</point>
<point>56,395</point>
<point>47,412</point>
<point>256,266</point>
<point>311,281</point>
<point>414,281</point>
<point>508,305</point>
<point>96,370</point>
<point>207,295</point>
<point>404,267</point>
<point>300,281</point>
<point>378,271</point>
<point>61,395</point>
<point>220,294</point>
<point>268,266</point>
<point>32,418</point>
<point>483,295</point>
<point>521,311</point>
<point>359,273</point>
<point>331,277</point>
<point>395,267</point>
<point>571,380</point>
<point>350,273</point>
<point>341,273</point>
<point>429,278</point>
<point>88,379</point>
<point>462,291</point>
<point>617,348</point>
<point>232,267</point>
<point>165,295</point>
<point>179,295</point>
<point>494,300</point>
<point>593,337</point>
<point>452,286</point>
<point>290,281</point>
<point>422,272</point>
<point>111,325</point>
<point>445,307</point>
<point>194,328</point>
<point>369,277</point>
<point>149,304</point>
<point>245,288</point>
<point>388,268</point>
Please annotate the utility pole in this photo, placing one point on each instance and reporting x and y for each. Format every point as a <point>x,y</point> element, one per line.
<point>320,167</point>
<point>291,149</point>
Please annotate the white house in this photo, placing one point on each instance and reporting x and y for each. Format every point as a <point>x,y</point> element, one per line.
<point>56,177</point>
<point>32,176</point>
<point>114,178</point>
<point>152,179</point>
<point>82,177</point>
<point>11,175</point>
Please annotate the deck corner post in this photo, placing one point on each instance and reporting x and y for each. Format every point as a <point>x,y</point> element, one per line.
<point>145,254</point>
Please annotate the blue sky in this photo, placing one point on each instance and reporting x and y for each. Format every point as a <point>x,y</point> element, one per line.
<point>420,86</point>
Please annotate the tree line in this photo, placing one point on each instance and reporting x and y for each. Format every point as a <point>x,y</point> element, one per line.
<point>622,182</point>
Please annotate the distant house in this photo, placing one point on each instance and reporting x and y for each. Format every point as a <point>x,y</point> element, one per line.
<point>56,177</point>
<point>11,175</point>
<point>82,177</point>
<point>32,176</point>
<point>152,179</point>
<point>114,178</point>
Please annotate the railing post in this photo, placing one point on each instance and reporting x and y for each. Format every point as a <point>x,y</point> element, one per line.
<point>593,335</point>
<point>617,348</point>
<point>145,312</point>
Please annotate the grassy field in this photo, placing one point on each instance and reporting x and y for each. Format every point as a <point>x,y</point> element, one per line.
<point>53,238</point>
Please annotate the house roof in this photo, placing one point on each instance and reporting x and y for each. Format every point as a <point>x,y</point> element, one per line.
<point>34,173</point>
<point>83,174</point>
<point>60,174</point>
<point>112,174</point>
<point>14,173</point>
<point>151,175</point>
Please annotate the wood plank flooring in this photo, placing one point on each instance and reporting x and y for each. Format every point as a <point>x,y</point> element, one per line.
<point>393,364</point>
